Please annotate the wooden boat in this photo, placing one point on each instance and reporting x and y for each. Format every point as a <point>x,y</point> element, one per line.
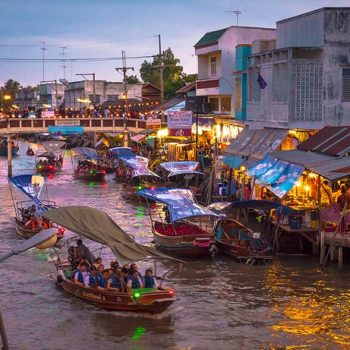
<point>144,300</point>
<point>29,152</point>
<point>85,165</point>
<point>26,232</point>
<point>186,228</point>
<point>99,227</point>
<point>4,148</point>
<point>51,161</point>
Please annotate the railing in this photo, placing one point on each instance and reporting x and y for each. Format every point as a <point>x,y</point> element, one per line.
<point>91,124</point>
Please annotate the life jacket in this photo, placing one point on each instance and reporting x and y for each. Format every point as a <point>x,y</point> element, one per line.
<point>92,281</point>
<point>80,276</point>
<point>149,281</point>
<point>135,283</point>
<point>101,281</point>
<point>115,283</point>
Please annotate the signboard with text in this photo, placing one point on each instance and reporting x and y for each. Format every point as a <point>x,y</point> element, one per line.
<point>180,123</point>
<point>48,114</point>
<point>153,123</point>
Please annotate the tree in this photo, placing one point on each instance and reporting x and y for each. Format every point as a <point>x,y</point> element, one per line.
<point>173,75</point>
<point>11,87</point>
<point>132,79</point>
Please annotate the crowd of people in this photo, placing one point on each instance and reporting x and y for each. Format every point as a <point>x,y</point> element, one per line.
<point>91,272</point>
<point>31,219</point>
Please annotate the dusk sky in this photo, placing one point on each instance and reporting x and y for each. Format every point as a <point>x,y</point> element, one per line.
<point>91,28</point>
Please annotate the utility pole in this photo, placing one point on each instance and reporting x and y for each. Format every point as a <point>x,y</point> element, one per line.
<point>43,50</point>
<point>161,67</point>
<point>63,54</point>
<point>124,69</point>
<point>237,13</point>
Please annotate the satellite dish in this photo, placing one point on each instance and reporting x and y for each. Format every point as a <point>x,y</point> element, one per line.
<point>64,81</point>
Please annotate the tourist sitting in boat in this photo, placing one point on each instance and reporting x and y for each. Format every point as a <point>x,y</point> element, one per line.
<point>149,280</point>
<point>84,252</point>
<point>81,275</point>
<point>134,267</point>
<point>134,280</point>
<point>97,263</point>
<point>33,223</point>
<point>102,277</point>
<point>115,282</point>
<point>92,279</point>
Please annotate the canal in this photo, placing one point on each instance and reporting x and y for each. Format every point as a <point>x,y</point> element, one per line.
<point>221,304</point>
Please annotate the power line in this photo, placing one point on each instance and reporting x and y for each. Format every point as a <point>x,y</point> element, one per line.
<point>80,59</point>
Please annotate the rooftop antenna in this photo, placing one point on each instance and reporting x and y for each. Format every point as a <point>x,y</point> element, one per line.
<point>63,54</point>
<point>237,13</point>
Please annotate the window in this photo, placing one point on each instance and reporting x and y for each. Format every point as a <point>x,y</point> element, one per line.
<point>214,104</point>
<point>97,99</point>
<point>346,85</point>
<point>213,65</point>
<point>112,97</point>
<point>226,104</point>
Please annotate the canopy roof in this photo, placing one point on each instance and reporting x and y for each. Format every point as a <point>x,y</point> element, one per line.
<point>279,176</point>
<point>52,146</point>
<point>330,167</point>
<point>179,168</point>
<point>256,143</point>
<point>122,152</point>
<point>180,202</point>
<point>99,227</point>
<point>46,155</point>
<point>85,152</point>
<point>139,166</point>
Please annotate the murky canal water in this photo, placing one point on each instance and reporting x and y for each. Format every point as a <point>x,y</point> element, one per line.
<point>290,304</point>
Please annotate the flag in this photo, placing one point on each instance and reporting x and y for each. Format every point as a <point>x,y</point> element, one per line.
<point>262,83</point>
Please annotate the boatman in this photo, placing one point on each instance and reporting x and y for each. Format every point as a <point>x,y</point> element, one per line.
<point>84,252</point>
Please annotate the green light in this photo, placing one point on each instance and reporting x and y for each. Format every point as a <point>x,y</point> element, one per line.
<point>40,166</point>
<point>139,187</point>
<point>137,294</point>
<point>139,331</point>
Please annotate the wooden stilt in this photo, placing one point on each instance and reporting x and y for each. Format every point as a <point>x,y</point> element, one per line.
<point>322,248</point>
<point>333,255</point>
<point>340,258</point>
<point>5,344</point>
<point>9,156</point>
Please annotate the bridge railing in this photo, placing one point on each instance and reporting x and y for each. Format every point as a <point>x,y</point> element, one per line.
<point>89,123</point>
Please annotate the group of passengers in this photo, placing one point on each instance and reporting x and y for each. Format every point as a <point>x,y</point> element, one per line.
<point>91,272</point>
<point>85,166</point>
<point>32,220</point>
<point>50,161</point>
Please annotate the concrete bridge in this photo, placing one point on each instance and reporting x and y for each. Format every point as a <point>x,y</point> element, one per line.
<point>10,126</point>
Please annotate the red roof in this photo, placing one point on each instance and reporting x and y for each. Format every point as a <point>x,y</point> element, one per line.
<point>334,141</point>
<point>187,87</point>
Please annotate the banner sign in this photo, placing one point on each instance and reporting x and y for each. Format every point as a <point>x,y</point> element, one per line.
<point>48,114</point>
<point>68,122</point>
<point>180,123</point>
<point>153,123</point>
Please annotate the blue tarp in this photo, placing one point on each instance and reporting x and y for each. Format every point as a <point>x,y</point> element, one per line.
<point>277,175</point>
<point>233,162</point>
<point>125,152</point>
<point>66,130</point>
<point>180,203</point>
<point>85,152</point>
<point>181,168</point>
<point>139,166</point>
<point>30,185</point>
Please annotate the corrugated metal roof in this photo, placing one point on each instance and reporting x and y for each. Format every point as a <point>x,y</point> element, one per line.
<point>255,144</point>
<point>330,167</point>
<point>334,141</point>
<point>210,38</point>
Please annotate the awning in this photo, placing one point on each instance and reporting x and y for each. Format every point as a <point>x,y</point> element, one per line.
<point>277,175</point>
<point>329,167</point>
<point>66,130</point>
<point>85,152</point>
<point>52,146</point>
<point>256,143</point>
<point>137,138</point>
<point>233,162</point>
<point>333,141</point>
<point>99,227</point>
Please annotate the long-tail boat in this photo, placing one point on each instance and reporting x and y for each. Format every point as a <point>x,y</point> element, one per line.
<point>51,161</point>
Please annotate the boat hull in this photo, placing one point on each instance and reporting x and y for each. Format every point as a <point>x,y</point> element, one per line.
<point>188,246</point>
<point>47,169</point>
<point>3,151</point>
<point>98,176</point>
<point>24,231</point>
<point>151,302</point>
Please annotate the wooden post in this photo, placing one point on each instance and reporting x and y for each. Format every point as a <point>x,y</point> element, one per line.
<point>322,247</point>
<point>5,344</point>
<point>125,139</point>
<point>340,258</point>
<point>9,156</point>
<point>332,254</point>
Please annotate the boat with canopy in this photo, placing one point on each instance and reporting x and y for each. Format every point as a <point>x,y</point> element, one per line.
<point>97,226</point>
<point>29,212</point>
<point>135,175</point>
<point>50,161</point>
<point>180,225</point>
<point>237,240</point>
<point>85,164</point>
<point>4,147</point>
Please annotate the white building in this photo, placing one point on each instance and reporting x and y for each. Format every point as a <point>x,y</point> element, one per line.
<point>216,63</point>
<point>50,94</point>
<point>307,74</point>
<point>105,91</point>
